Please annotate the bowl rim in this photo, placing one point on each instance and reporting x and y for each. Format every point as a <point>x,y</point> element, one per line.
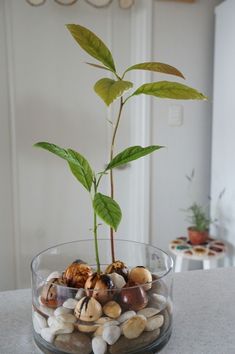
<point>45,281</point>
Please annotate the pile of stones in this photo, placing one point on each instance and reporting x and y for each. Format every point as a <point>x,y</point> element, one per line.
<point>115,312</point>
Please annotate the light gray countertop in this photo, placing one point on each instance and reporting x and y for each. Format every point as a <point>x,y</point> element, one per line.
<point>204,316</point>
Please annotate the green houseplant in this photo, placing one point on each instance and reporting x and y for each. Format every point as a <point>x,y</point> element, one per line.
<point>109,90</point>
<point>198,231</point>
<point>103,289</point>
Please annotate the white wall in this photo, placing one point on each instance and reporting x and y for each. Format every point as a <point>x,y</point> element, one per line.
<point>183,37</point>
<point>50,98</point>
<point>223,167</point>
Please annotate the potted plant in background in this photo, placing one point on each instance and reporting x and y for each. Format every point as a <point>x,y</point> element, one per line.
<point>84,300</point>
<point>198,231</point>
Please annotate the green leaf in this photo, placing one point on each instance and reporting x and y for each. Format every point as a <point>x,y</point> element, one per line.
<point>157,67</point>
<point>92,44</point>
<point>81,169</point>
<point>167,89</point>
<point>130,154</point>
<point>78,164</point>
<point>109,89</point>
<point>63,153</point>
<point>98,66</point>
<point>107,209</point>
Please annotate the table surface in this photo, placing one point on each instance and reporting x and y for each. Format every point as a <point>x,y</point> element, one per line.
<point>204,315</point>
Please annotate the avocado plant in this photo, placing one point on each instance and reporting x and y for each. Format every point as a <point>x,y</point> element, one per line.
<point>110,89</point>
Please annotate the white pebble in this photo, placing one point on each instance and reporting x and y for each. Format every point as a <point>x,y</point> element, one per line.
<point>80,294</point>
<point>48,334</point>
<point>158,300</point>
<point>39,322</point>
<point>118,280</point>
<point>111,323</point>
<point>66,328</point>
<point>148,312</point>
<point>125,316</point>
<point>99,346</point>
<point>111,334</point>
<point>46,310</point>
<point>54,275</point>
<point>68,318</point>
<point>102,320</point>
<point>154,323</point>
<point>62,311</point>
<point>70,304</point>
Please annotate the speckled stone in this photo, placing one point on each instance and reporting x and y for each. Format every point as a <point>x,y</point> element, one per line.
<point>74,343</point>
<point>125,345</point>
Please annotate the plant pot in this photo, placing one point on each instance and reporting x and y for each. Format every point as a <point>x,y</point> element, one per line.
<point>130,335</point>
<point>197,237</point>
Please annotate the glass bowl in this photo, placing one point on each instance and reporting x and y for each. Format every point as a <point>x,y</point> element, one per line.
<point>125,312</point>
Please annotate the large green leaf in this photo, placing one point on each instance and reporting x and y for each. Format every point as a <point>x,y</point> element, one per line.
<point>81,169</point>
<point>107,209</point>
<point>130,154</point>
<point>78,164</point>
<point>157,67</point>
<point>167,89</point>
<point>109,89</point>
<point>92,44</point>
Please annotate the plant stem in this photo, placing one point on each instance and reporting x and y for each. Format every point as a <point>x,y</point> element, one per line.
<point>95,235</point>
<point>111,172</point>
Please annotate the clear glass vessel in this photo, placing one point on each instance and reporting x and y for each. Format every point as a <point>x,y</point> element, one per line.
<point>125,316</point>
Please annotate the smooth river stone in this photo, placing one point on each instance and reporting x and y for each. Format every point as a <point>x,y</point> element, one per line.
<point>126,316</point>
<point>70,304</point>
<point>111,323</point>
<point>154,323</point>
<point>39,322</point>
<point>48,334</point>
<point>112,309</point>
<point>111,334</point>
<point>54,275</point>
<point>158,300</point>
<point>125,345</point>
<point>80,294</point>
<point>62,311</point>
<point>118,280</point>
<point>148,312</point>
<point>133,327</point>
<point>99,346</point>
<point>73,343</point>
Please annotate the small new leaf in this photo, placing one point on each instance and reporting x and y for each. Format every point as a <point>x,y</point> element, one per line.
<point>157,67</point>
<point>78,164</point>
<point>107,209</point>
<point>98,66</point>
<point>130,154</point>
<point>167,89</point>
<point>109,89</point>
<point>92,44</point>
